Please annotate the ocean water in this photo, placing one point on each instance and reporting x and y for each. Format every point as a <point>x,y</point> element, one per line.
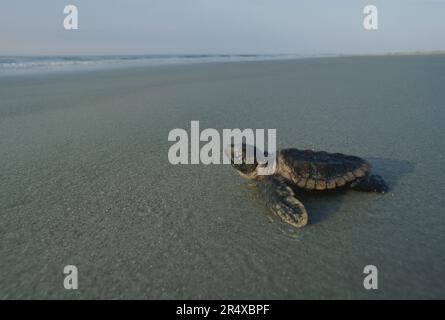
<point>43,64</point>
<point>85,180</point>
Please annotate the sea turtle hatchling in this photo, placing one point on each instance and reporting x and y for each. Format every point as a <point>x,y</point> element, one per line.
<point>304,170</point>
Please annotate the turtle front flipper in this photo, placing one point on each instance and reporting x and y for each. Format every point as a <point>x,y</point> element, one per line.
<point>282,201</point>
<point>370,183</point>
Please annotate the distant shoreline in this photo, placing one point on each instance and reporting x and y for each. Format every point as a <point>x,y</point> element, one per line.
<point>409,53</point>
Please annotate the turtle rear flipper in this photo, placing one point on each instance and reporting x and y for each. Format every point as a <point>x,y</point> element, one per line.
<point>282,201</point>
<point>370,183</point>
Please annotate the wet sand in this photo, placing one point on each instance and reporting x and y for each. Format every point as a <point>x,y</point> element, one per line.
<point>85,181</point>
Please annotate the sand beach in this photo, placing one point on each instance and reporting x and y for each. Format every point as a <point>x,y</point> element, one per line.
<point>85,180</point>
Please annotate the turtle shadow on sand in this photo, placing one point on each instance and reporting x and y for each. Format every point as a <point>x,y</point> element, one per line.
<point>321,205</point>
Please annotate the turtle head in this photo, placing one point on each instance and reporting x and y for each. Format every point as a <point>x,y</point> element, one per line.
<point>243,158</point>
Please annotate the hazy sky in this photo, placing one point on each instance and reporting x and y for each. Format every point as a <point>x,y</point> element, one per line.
<point>219,26</point>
